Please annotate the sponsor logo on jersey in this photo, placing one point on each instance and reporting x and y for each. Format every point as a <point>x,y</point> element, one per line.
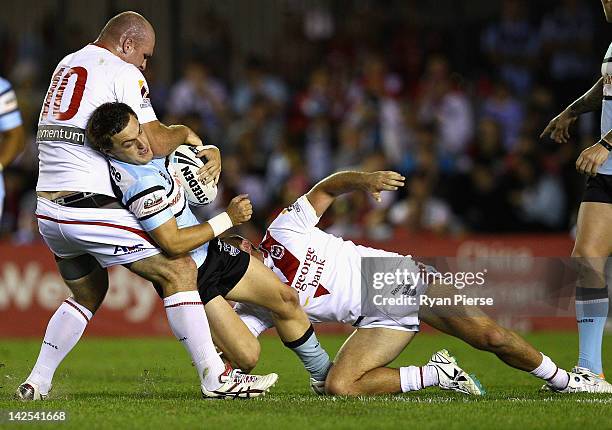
<point>311,263</point>
<point>277,251</point>
<point>178,192</point>
<point>128,249</point>
<point>406,289</point>
<point>144,92</point>
<point>152,201</point>
<point>295,206</point>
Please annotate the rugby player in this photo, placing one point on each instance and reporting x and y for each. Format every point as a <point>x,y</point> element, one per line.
<point>85,226</point>
<point>12,135</point>
<point>148,188</point>
<point>593,243</point>
<point>326,271</point>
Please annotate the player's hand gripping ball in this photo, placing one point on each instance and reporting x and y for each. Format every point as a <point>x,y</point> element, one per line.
<point>186,165</point>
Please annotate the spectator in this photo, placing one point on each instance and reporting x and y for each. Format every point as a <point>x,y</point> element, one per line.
<point>512,46</point>
<point>199,92</point>
<point>504,108</point>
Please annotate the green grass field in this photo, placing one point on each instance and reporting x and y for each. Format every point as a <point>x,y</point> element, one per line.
<point>149,383</point>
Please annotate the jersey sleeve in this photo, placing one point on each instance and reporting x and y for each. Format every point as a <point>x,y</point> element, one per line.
<point>299,217</point>
<point>10,117</point>
<point>141,190</point>
<point>132,89</point>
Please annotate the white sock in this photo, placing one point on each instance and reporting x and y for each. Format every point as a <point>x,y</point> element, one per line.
<point>63,332</point>
<point>188,322</point>
<point>414,378</point>
<point>552,374</point>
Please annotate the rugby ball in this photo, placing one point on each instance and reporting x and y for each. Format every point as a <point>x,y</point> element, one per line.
<point>186,164</point>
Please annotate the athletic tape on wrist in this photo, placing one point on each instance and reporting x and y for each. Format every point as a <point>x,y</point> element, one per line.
<point>220,223</point>
<point>605,144</point>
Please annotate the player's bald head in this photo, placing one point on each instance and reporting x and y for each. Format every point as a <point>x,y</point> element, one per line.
<point>127,24</point>
<point>129,36</point>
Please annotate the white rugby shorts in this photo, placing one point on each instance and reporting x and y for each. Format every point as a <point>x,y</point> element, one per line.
<point>111,236</point>
<point>409,320</point>
<point>258,319</point>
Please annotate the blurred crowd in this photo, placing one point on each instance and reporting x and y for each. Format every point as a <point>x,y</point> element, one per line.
<point>457,110</point>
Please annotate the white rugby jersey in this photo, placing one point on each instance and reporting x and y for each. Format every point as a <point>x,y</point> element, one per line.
<point>82,81</point>
<point>324,269</point>
<point>154,195</point>
<point>606,107</point>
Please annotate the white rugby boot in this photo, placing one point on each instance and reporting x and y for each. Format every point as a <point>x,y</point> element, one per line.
<point>238,385</point>
<point>582,380</point>
<point>29,391</point>
<point>452,377</point>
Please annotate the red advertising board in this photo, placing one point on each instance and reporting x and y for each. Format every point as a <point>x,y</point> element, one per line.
<point>31,288</point>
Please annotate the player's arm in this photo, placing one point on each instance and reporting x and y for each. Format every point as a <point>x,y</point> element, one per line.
<point>607,6</point>
<point>558,127</point>
<point>164,139</point>
<point>13,142</point>
<point>177,241</point>
<point>323,194</point>
<point>12,132</point>
<point>131,88</point>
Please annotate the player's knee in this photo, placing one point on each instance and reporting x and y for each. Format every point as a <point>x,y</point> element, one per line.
<point>339,386</point>
<point>177,275</point>
<point>90,291</point>
<point>494,338</point>
<point>289,299</point>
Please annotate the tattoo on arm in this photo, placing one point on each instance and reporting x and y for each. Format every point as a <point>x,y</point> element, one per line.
<point>590,101</point>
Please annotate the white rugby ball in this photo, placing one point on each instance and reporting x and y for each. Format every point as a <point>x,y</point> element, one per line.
<point>186,165</point>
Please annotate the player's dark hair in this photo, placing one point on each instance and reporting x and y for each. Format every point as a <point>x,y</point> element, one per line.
<point>106,121</point>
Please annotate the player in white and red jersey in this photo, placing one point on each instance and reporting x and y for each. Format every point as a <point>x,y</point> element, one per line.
<point>327,273</point>
<point>79,217</point>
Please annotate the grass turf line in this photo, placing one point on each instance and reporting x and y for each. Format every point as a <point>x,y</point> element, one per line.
<point>143,383</point>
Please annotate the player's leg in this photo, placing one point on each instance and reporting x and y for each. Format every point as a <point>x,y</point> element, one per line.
<point>473,326</point>
<point>240,347</point>
<point>360,367</point>
<point>591,250</point>
<point>176,278</point>
<point>88,283</point>
<point>258,285</point>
